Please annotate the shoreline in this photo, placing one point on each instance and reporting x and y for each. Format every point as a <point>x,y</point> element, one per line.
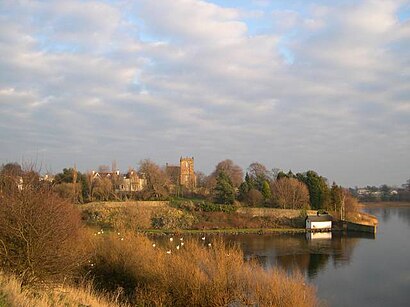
<point>385,204</point>
<point>223,231</point>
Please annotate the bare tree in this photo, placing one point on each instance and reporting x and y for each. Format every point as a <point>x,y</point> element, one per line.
<point>258,170</point>
<point>350,205</point>
<point>157,180</point>
<point>200,179</point>
<point>290,193</point>
<point>103,189</point>
<point>234,172</point>
<point>90,184</point>
<point>254,198</point>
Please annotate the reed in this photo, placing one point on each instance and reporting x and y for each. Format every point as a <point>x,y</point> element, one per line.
<point>204,273</point>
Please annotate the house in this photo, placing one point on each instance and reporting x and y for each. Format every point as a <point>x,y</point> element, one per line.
<point>105,174</point>
<point>132,182</point>
<point>319,222</point>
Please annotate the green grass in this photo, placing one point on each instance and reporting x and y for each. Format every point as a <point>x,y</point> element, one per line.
<point>3,300</point>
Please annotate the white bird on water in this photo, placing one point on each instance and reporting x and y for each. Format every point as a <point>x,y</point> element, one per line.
<point>171,239</point>
<point>178,247</point>
<point>182,243</point>
<point>169,252</point>
<point>203,238</point>
<point>209,244</point>
<point>182,239</point>
<point>153,245</point>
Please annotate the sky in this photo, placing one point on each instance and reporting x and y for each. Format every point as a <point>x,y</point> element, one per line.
<point>321,85</point>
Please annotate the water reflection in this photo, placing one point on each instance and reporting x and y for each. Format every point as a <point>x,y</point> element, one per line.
<point>307,253</point>
<point>386,213</point>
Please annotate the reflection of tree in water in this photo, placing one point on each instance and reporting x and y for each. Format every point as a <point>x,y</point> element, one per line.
<point>316,262</point>
<point>317,253</point>
<point>404,214</point>
<point>385,215</point>
<point>295,253</point>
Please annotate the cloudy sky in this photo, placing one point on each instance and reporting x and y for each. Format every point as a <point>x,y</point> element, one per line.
<point>299,85</point>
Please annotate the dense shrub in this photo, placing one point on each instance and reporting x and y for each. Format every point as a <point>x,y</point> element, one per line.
<point>171,218</point>
<point>211,207</point>
<point>41,234</point>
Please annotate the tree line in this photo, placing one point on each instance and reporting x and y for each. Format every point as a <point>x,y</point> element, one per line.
<point>262,187</point>
<point>227,184</point>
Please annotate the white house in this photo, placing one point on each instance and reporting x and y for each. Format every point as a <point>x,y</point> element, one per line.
<point>319,222</point>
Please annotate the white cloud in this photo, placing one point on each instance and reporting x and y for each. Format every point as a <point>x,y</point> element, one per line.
<point>89,81</point>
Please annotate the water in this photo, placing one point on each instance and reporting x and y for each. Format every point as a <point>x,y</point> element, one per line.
<point>353,270</point>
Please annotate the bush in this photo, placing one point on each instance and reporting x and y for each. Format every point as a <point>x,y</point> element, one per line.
<point>172,219</point>
<point>187,205</point>
<point>211,207</point>
<point>193,275</point>
<point>41,234</point>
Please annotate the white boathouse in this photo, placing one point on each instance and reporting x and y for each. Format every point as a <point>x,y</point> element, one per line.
<point>319,222</point>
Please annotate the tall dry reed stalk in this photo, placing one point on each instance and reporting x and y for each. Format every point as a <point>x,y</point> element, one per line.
<point>196,274</point>
<point>12,295</point>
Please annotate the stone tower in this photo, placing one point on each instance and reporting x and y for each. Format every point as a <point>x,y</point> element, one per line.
<point>187,176</point>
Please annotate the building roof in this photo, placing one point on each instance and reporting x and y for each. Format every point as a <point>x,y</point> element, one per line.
<point>319,218</point>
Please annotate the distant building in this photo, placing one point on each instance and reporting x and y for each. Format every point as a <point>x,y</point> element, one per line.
<point>101,175</point>
<point>129,182</point>
<point>132,182</point>
<point>187,173</point>
<point>184,174</point>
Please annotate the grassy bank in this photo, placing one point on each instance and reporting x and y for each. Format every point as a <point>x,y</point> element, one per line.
<point>190,216</point>
<point>225,231</point>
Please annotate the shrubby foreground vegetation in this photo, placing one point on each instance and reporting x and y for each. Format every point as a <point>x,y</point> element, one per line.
<point>47,256</point>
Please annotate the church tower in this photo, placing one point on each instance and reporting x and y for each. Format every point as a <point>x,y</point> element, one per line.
<point>187,176</point>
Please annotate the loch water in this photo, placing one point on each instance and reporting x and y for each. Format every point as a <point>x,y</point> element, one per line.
<point>354,269</point>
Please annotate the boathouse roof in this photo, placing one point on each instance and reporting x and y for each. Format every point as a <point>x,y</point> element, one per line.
<point>319,218</point>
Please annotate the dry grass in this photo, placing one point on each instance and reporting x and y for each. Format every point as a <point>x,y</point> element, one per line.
<point>12,295</point>
<point>196,274</point>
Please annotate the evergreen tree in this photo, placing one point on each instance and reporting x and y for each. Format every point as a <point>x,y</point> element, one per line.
<point>266,192</point>
<point>281,175</point>
<point>336,197</point>
<point>243,190</point>
<point>319,192</point>
<point>224,192</point>
<point>249,181</point>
